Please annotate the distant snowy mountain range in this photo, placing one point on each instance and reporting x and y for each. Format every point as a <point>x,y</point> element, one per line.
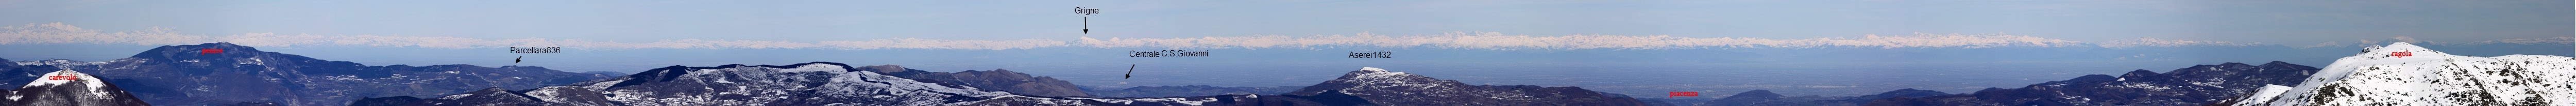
<point>826,83</point>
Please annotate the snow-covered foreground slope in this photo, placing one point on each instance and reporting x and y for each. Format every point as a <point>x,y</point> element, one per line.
<point>2385,75</point>
<point>70,88</point>
<point>807,84</point>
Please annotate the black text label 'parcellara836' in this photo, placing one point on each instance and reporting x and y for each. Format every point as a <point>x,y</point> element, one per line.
<point>536,50</point>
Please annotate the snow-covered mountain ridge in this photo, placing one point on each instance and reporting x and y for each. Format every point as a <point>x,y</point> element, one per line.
<point>2407,75</point>
<point>1383,87</point>
<point>2195,85</point>
<point>805,84</point>
<point>224,73</point>
<point>70,88</point>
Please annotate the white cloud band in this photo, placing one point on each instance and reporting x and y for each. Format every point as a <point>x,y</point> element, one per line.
<point>57,33</point>
<point>1498,41</point>
<point>2153,42</point>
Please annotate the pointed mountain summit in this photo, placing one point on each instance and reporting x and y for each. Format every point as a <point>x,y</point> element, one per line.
<point>2404,74</point>
<point>71,88</point>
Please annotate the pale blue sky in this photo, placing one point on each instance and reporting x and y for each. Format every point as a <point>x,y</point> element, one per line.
<point>759,24</point>
<point>2272,22</point>
<point>2287,23</point>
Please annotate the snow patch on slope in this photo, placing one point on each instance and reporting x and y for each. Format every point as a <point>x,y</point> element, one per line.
<point>457,96</point>
<point>2266,93</point>
<point>1388,79</point>
<point>1374,72</point>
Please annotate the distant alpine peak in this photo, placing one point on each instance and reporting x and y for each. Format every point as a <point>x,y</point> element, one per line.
<point>1372,69</point>
<point>66,76</point>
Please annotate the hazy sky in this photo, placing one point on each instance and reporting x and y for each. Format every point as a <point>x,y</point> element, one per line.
<point>366,30</point>
<point>1560,43</point>
<point>2271,22</point>
<point>72,29</point>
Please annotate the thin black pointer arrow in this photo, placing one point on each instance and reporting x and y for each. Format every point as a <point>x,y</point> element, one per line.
<point>517,60</point>
<point>1131,71</point>
<point>1086,28</point>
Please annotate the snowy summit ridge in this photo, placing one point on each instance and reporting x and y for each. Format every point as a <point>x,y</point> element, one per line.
<point>2408,75</point>
<point>68,76</point>
<point>805,84</point>
<point>70,88</point>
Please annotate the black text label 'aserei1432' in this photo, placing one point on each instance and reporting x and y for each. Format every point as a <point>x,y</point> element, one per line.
<point>1373,55</point>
